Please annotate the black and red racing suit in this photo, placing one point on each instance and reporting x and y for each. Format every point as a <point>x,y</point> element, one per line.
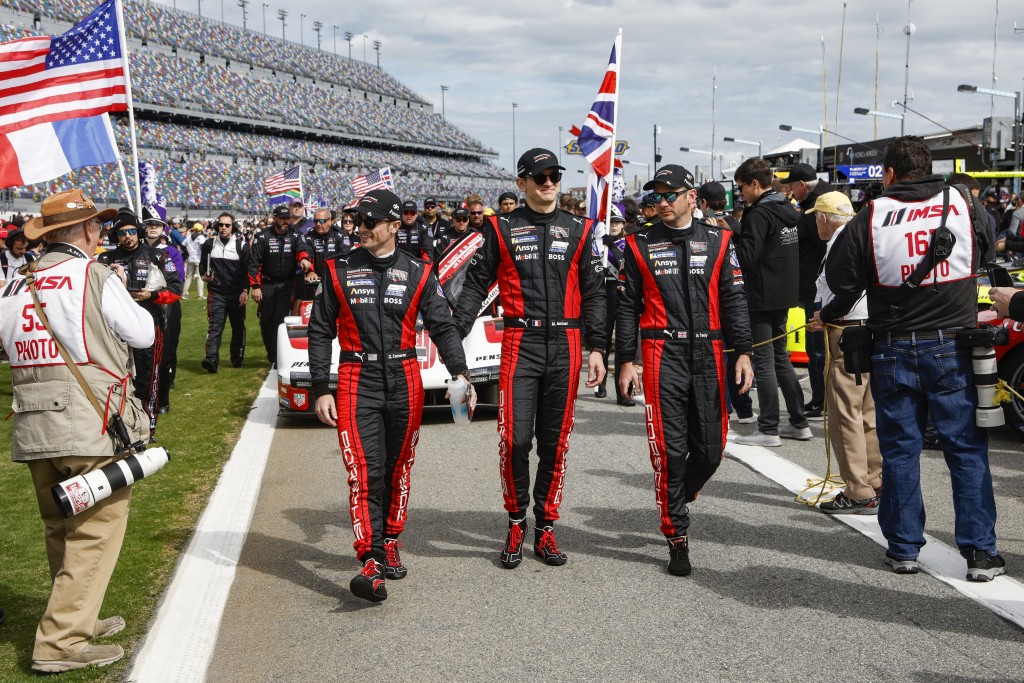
<point>681,287</point>
<point>370,305</point>
<point>548,279</point>
<point>274,269</point>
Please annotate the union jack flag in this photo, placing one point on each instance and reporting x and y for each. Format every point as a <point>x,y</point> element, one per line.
<point>45,79</point>
<point>378,180</point>
<point>597,136</point>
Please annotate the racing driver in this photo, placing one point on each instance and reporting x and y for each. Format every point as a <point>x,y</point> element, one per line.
<point>679,283</point>
<point>548,276</point>
<point>369,299</point>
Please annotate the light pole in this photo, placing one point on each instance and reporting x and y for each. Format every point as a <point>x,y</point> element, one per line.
<point>821,140</point>
<point>245,14</point>
<point>514,107</point>
<point>302,38</point>
<point>884,114</point>
<point>638,163</point>
<point>656,157</point>
<point>701,151</point>
<point>753,143</point>
<point>334,34</point>
<point>376,46</point>
<point>560,145</point>
<point>365,38</point>
<point>318,26</point>
<point>199,7</point>
<point>444,89</point>
<point>348,38</point>
<point>265,6</point>
<point>1017,136</point>
<point>281,14</point>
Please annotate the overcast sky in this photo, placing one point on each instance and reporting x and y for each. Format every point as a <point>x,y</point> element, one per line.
<point>549,57</point>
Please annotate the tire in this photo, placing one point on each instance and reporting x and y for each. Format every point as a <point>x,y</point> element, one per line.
<point>1011,370</point>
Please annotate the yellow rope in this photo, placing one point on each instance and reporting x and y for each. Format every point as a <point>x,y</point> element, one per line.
<point>830,485</point>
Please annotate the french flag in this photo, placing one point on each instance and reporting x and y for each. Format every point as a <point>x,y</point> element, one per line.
<point>50,150</point>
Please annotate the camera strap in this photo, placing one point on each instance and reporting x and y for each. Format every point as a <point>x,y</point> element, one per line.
<point>30,281</point>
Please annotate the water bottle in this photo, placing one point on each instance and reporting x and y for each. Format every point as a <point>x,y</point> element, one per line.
<point>458,395</point>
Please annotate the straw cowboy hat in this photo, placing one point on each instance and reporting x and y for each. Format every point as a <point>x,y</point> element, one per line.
<point>63,209</point>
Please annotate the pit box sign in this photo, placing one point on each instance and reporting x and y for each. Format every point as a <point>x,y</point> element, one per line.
<point>863,172</point>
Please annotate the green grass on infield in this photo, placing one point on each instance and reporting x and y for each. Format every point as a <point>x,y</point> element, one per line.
<point>207,414</point>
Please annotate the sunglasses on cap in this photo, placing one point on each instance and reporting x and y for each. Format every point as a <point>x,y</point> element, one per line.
<point>127,231</point>
<point>669,197</point>
<point>555,177</point>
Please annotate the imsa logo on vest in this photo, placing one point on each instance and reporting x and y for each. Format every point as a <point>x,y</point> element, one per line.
<point>901,235</point>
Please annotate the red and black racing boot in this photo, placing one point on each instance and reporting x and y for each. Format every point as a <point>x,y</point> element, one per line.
<point>369,583</point>
<point>512,553</point>
<point>679,556</point>
<point>546,548</point>
<point>393,567</point>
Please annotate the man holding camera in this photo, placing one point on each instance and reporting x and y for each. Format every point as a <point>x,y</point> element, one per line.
<point>915,250</point>
<point>369,299</point>
<point>57,430</point>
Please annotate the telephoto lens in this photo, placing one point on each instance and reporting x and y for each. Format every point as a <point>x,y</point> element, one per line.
<point>80,493</point>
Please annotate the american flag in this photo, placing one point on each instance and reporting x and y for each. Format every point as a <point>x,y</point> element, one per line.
<point>55,78</point>
<point>597,136</point>
<point>285,181</point>
<point>378,180</point>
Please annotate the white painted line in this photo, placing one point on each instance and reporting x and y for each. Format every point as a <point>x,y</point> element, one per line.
<point>180,642</point>
<point>1003,595</point>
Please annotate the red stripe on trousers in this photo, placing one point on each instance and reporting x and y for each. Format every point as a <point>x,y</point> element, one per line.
<point>554,497</point>
<point>394,524</point>
<point>652,352</point>
<point>354,457</point>
<point>506,423</point>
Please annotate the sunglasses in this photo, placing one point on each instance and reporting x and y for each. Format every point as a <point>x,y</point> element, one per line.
<point>542,178</point>
<point>476,213</point>
<point>347,220</point>
<point>127,231</point>
<point>408,213</point>
<point>669,197</point>
<point>371,223</point>
<point>430,206</point>
<point>318,221</point>
<point>225,225</point>
<point>460,219</point>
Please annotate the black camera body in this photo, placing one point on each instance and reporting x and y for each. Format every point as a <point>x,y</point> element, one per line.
<point>985,336</point>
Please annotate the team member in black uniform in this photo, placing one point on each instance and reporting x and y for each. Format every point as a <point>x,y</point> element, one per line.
<point>681,284</point>
<point>323,243</point>
<point>548,278</point>
<point>452,234</point>
<point>614,242</point>
<point>272,275</point>
<point>413,237</point>
<point>152,279</point>
<point>368,299</point>
<point>224,266</point>
<point>432,224</point>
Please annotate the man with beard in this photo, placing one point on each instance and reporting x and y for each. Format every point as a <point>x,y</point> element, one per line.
<point>224,265</point>
<point>323,243</point>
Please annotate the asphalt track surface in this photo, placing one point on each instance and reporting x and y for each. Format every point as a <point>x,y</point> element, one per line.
<point>778,592</point>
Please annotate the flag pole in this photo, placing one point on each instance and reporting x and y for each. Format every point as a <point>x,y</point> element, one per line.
<point>131,105</point>
<point>618,86</point>
<point>120,161</point>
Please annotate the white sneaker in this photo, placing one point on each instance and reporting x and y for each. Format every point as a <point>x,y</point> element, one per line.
<point>791,432</point>
<point>759,439</point>
<point>746,420</point>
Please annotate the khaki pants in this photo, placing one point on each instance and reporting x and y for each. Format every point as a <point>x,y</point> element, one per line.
<point>851,426</point>
<point>82,551</point>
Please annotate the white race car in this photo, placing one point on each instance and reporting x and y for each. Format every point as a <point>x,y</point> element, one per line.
<point>482,345</point>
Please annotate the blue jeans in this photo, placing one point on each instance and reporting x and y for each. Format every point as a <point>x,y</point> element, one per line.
<point>909,379</point>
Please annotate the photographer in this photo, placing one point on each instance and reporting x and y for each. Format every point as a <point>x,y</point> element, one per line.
<point>921,292</point>
<point>56,430</point>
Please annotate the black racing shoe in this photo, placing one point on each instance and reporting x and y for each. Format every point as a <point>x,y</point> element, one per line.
<point>600,392</point>
<point>901,566</point>
<point>984,567</point>
<point>546,548</point>
<point>679,556</point>
<point>844,505</point>
<point>512,553</point>
<point>369,583</point>
<point>209,366</point>
<point>393,567</point>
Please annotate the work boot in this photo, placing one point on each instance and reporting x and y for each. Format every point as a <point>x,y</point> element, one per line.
<point>90,655</point>
<point>393,567</point>
<point>512,553</point>
<point>546,548</point>
<point>369,583</point>
<point>679,556</point>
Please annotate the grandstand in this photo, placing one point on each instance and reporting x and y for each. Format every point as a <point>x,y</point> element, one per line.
<point>219,108</point>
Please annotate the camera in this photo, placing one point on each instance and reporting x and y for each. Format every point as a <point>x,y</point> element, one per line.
<point>986,374</point>
<point>80,493</point>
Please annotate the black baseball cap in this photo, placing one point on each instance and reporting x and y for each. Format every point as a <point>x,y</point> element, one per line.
<point>508,195</point>
<point>379,204</point>
<point>460,213</point>
<point>673,175</point>
<point>804,172</point>
<point>125,218</point>
<point>711,191</point>
<point>408,206</point>
<point>428,201</point>
<point>281,211</point>
<point>535,160</point>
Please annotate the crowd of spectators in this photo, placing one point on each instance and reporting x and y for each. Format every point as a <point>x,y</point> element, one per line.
<point>178,28</point>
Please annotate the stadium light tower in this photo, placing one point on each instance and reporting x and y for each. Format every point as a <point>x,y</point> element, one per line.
<point>444,89</point>
<point>334,34</point>
<point>376,46</point>
<point>318,26</point>
<point>302,39</point>
<point>348,37</point>
<point>281,14</point>
<point>1017,136</point>
<point>514,107</point>
<point>199,7</point>
<point>365,38</point>
<point>753,143</point>
<point>245,13</point>
<point>265,6</point>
